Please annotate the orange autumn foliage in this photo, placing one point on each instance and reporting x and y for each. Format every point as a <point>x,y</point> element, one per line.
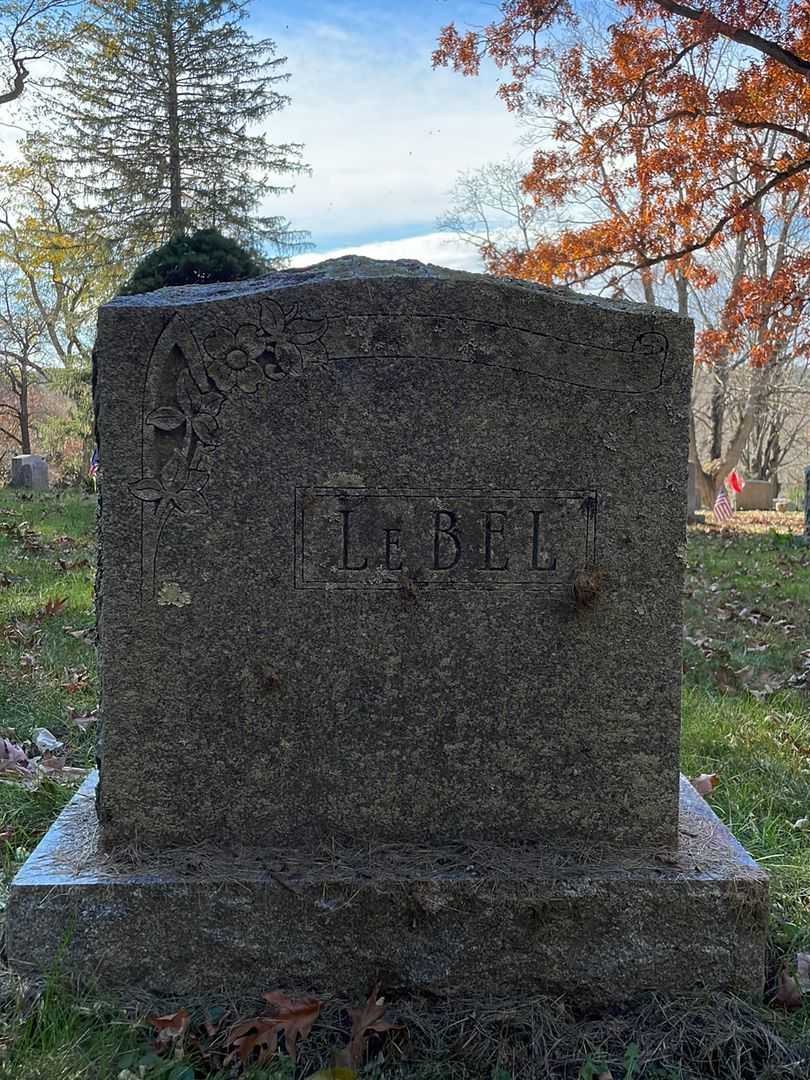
<point>673,128</point>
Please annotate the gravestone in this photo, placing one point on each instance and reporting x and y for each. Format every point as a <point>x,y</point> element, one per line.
<point>29,471</point>
<point>756,495</point>
<point>390,624</point>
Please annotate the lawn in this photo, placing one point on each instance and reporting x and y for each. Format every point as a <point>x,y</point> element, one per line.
<point>746,719</point>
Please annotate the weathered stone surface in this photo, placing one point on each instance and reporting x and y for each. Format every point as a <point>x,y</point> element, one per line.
<point>345,513</point>
<point>505,921</point>
<point>29,471</point>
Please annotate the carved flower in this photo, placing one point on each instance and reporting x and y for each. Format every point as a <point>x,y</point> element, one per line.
<point>292,342</point>
<point>235,356</point>
<point>179,485</point>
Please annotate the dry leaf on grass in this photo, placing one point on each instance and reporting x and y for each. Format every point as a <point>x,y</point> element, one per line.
<point>84,722</point>
<point>54,605</point>
<point>13,758</point>
<point>170,1027</point>
<point>259,1036</point>
<point>53,765</point>
<point>76,679</point>
<point>705,783</point>
<point>366,1021</point>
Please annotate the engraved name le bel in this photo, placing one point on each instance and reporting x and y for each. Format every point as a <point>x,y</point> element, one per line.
<point>362,538</point>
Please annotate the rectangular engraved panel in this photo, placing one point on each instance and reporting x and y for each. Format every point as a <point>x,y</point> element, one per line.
<point>363,538</point>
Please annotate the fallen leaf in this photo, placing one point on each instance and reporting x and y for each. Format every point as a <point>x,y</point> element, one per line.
<point>293,1019</point>
<point>366,1021</point>
<point>801,823</point>
<point>76,680</point>
<point>705,783</point>
<point>84,722</point>
<point>788,996</point>
<point>726,678</point>
<point>13,758</point>
<point>54,605</point>
<point>53,765</point>
<point>170,1027</point>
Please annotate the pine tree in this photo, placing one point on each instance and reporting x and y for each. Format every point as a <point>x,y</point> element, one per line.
<point>157,114</point>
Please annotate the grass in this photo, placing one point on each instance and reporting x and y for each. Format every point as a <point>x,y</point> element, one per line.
<point>746,717</point>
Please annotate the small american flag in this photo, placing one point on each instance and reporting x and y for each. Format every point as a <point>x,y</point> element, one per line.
<point>723,509</point>
<point>93,470</point>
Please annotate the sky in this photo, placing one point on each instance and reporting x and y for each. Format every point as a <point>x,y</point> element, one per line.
<point>384,134</point>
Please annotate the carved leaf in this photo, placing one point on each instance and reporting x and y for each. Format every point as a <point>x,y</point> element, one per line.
<point>190,502</point>
<point>167,418</point>
<point>205,428</point>
<point>147,490</point>
<point>175,472</point>
<point>306,331</point>
<point>211,402</point>
<point>272,315</point>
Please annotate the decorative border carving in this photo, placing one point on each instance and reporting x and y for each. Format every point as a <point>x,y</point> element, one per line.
<point>180,426</point>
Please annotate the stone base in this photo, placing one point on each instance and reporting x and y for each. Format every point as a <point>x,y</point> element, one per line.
<point>457,920</point>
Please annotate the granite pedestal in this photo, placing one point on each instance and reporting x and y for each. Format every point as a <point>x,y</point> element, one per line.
<point>516,921</point>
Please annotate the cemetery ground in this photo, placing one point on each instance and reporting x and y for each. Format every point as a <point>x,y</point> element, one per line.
<point>746,730</point>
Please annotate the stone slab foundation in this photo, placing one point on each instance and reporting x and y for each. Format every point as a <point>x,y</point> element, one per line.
<point>458,919</point>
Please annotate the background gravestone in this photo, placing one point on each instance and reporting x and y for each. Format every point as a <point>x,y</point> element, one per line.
<point>756,495</point>
<point>390,624</point>
<point>29,471</point>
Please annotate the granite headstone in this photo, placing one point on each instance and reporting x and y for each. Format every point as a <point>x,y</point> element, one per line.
<point>390,619</point>
<point>349,522</point>
<point>29,471</point>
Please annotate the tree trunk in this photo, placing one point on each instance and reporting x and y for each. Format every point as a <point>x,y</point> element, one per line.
<point>25,426</point>
<point>176,217</point>
<point>719,393</point>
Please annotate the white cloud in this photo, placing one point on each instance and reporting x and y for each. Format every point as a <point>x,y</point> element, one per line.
<point>435,247</point>
<point>384,133</point>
